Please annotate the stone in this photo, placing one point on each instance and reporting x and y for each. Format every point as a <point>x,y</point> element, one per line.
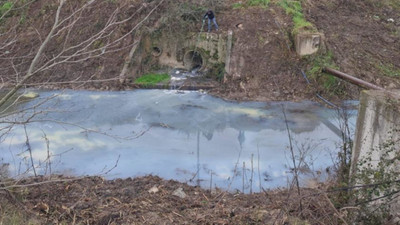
<point>179,192</point>
<point>30,95</point>
<point>153,190</point>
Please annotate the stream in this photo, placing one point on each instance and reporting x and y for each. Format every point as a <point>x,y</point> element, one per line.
<point>186,136</point>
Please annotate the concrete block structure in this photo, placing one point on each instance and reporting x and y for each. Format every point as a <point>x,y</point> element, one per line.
<point>378,136</point>
<point>308,43</point>
<point>196,51</point>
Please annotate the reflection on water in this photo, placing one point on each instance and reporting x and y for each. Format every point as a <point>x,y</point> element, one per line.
<point>185,136</point>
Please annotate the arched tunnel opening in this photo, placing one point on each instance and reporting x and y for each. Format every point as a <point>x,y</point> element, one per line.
<point>193,60</point>
<point>156,51</point>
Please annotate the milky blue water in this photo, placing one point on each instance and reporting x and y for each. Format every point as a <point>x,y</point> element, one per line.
<point>187,136</point>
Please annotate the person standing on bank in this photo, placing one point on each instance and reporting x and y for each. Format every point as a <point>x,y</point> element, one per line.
<point>211,17</point>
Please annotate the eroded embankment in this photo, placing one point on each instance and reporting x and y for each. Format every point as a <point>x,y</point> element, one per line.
<point>362,40</point>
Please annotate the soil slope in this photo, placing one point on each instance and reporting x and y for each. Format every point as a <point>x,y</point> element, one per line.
<point>363,37</point>
<point>263,65</point>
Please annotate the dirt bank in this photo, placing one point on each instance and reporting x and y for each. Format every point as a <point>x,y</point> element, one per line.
<point>151,200</point>
<point>362,37</point>
<point>264,68</point>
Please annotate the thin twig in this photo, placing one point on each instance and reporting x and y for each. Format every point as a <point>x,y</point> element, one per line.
<point>28,145</point>
<point>39,183</point>
<point>251,176</point>
<point>115,166</point>
<point>258,166</point>
<point>296,175</point>
<point>244,168</point>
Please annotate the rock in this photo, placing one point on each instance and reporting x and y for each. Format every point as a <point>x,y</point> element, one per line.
<point>391,86</point>
<point>378,81</point>
<point>153,190</point>
<point>242,86</point>
<point>390,20</point>
<point>179,192</point>
<point>30,95</point>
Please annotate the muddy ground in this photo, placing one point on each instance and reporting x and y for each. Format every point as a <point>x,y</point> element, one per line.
<point>270,69</point>
<point>363,37</point>
<point>152,200</point>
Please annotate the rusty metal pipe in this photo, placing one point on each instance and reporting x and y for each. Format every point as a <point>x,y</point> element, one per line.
<point>352,79</point>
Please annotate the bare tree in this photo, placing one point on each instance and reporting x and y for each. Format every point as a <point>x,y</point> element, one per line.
<point>69,52</point>
<point>56,47</point>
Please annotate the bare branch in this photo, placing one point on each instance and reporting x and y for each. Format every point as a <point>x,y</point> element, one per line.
<point>39,183</point>
<point>35,60</point>
<point>28,145</point>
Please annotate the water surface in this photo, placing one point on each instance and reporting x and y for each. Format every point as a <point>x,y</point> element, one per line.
<point>186,136</point>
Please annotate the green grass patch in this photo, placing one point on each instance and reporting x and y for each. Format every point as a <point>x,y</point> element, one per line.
<point>316,63</point>
<point>294,8</point>
<point>260,3</point>
<point>237,5</point>
<point>5,7</point>
<point>389,70</point>
<point>152,79</point>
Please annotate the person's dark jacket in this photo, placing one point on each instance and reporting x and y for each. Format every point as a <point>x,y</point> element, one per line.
<point>209,14</point>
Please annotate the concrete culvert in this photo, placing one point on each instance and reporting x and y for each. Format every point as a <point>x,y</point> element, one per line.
<point>156,51</point>
<point>193,60</point>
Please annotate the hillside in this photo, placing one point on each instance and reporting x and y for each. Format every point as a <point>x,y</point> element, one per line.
<point>361,38</point>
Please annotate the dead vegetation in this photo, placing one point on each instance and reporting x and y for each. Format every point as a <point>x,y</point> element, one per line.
<point>152,200</point>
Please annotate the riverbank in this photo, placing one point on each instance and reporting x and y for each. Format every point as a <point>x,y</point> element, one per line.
<point>152,200</point>
<point>263,64</point>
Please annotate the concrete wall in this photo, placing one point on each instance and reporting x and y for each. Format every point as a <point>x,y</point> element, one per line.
<point>378,122</point>
<point>211,46</point>
<point>378,125</point>
<point>308,43</point>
